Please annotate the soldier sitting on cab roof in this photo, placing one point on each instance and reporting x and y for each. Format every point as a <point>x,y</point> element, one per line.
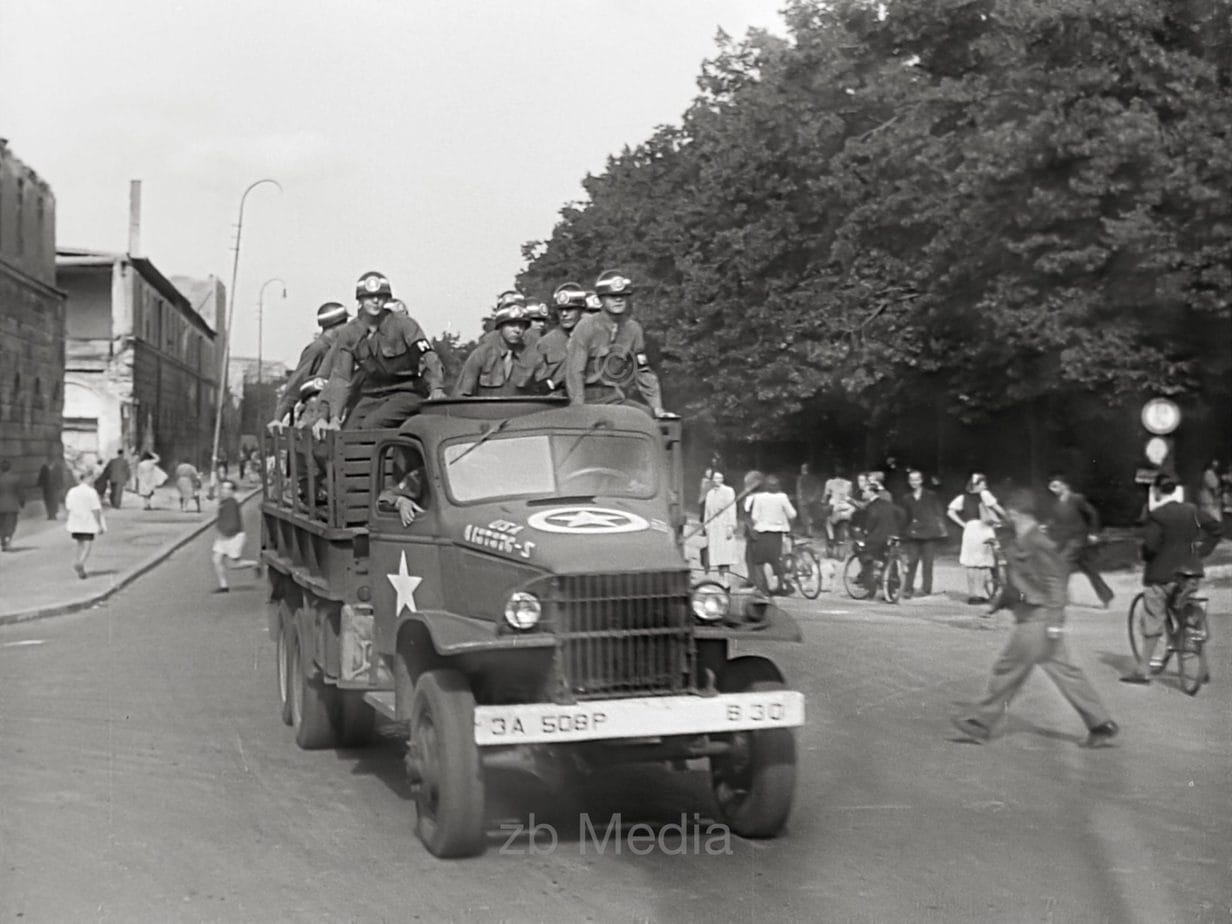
<point>382,358</point>
<point>302,387</point>
<point>503,363</point>
<point>607,351</point>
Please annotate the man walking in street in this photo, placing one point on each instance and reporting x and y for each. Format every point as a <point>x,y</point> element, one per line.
<point>229,544</point>
<point>12,499</point>
<point>1035,590</point>
<point>1073,524</point>
<point>117,474</point>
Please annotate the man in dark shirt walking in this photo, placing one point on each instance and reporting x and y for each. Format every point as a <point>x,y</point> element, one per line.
<point>12,499</point>
<point>1073,525</point>
<point>117,473</point>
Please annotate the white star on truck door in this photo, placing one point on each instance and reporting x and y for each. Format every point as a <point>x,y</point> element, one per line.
<point>404,586</point>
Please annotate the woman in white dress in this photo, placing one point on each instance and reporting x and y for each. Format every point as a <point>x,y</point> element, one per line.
<point>977,512</point>
<point>719,515</point>
<point>149,477</point>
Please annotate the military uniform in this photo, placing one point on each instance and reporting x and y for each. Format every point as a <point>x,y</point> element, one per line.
<point>605,356</point>
<point>310,363</point>
<point>553,349</point>
<point>389,368</point>
<point>496,368</point>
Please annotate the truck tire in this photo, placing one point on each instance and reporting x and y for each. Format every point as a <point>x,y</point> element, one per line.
<point>286,625</point>
<point>314,703</point>
<point>358,719</point>
<point>443,761</point>
<point>754,783</point>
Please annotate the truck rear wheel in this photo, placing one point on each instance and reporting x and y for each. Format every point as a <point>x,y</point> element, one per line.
<point>755,782</point>
<point>286,626</point>
<point>443,762</point>
<point>314,703</point>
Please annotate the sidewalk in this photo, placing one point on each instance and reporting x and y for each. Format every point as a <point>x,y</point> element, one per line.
<point>36,574</point>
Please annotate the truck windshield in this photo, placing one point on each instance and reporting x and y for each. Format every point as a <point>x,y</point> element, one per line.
<point>611,464</point>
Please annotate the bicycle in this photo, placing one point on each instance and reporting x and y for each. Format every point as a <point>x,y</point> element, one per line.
<point>887,572</point>
<point>801,566</point>
<point>1186,632</point>
<point>995,582</point>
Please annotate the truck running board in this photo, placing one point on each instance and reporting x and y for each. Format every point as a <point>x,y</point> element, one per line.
<point>383,702</point>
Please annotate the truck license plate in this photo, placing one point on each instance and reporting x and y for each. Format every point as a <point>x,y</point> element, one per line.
<point>639,717</point>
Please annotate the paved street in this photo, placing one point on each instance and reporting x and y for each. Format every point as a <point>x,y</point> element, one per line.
<point>146,776</point>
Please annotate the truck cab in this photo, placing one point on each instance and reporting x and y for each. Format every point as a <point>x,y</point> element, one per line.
<point>504,578</point>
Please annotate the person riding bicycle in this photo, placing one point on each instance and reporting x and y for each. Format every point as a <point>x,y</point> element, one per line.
<point>881,520</point>
<point>1177,537</point>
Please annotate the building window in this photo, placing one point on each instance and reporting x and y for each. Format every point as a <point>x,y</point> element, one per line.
<point>38,226</point>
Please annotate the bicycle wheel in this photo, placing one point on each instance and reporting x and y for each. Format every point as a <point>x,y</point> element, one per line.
<point>807,573</point>
<point>892,580</point>
<point>851,579</point>
<point>1135,626</point>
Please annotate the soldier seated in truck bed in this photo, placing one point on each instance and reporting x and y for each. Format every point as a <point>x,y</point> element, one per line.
<point>406,489</point>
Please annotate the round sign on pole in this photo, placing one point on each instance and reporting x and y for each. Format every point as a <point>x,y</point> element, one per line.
<point>1157,451</point>
<point>1161,416</point>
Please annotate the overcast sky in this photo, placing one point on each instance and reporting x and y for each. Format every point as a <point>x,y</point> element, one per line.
<point>427,140</point>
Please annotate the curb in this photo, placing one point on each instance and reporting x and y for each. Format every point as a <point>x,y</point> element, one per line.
<point>120,582</point>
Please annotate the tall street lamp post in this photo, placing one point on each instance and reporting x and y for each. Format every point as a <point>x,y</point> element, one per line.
<point>226,346</point>
<point>261,341</point>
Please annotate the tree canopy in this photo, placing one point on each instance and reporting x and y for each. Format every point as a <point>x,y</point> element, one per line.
<point>969,205</point>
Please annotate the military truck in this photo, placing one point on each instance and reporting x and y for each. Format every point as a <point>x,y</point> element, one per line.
<point>537,600</point>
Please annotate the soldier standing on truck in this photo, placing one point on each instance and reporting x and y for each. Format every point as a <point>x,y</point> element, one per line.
<point>383,359</point>
<point>537,314</point>
<point>503,364</point>
<point>553,346</point>
<point>607,351</point>
<point>300,386</point>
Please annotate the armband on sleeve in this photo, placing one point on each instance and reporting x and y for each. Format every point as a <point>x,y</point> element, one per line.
<point>424,346</point>
<point>642,360</point>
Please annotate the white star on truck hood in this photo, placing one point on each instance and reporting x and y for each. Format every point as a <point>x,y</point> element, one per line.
<point>404,586</point>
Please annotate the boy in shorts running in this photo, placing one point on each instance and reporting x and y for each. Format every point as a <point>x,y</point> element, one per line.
<point>229,544</point>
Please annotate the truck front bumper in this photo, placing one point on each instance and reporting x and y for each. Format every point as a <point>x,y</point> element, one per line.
<point>638,717</point>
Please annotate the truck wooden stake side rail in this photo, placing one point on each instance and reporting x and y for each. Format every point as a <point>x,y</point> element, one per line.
<point>504,577</point>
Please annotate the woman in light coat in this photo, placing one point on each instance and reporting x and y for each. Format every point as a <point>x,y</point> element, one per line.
<point>719,516</point>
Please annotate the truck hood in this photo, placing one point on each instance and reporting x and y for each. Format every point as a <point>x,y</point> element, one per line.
<point>574,537</point>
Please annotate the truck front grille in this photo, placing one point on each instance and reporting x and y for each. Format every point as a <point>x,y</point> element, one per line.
<point>624,634</point>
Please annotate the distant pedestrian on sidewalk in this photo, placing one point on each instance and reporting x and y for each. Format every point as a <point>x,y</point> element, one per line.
<point>116,475</point>
<point>978,513</point>
<point>188,482</point>
<point>12,499</point>
<point>51,484</point>
<point>925,527</point>
<point>1035,590</point>
<point>1073,524</point>
<point>84,519</point>
<point>149,477</point>
<point>229,544</point>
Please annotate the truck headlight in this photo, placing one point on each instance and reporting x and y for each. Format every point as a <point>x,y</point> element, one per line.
<point>522,610</point>
<point>711,602</point>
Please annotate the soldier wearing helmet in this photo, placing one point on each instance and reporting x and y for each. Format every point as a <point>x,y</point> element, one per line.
<point>302,385</point>
<point>503,363</point>
<point>382,363</point>
<point>570,301</point>
<point>607,351</point>
<point>537,314</point>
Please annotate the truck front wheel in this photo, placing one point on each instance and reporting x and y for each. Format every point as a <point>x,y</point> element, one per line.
<point>443,763</point>
<point>314,703</point>
<point>754,783</point>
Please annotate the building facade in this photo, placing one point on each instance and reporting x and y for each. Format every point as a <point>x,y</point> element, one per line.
<point>32,320</point>
<point>142,365</point>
